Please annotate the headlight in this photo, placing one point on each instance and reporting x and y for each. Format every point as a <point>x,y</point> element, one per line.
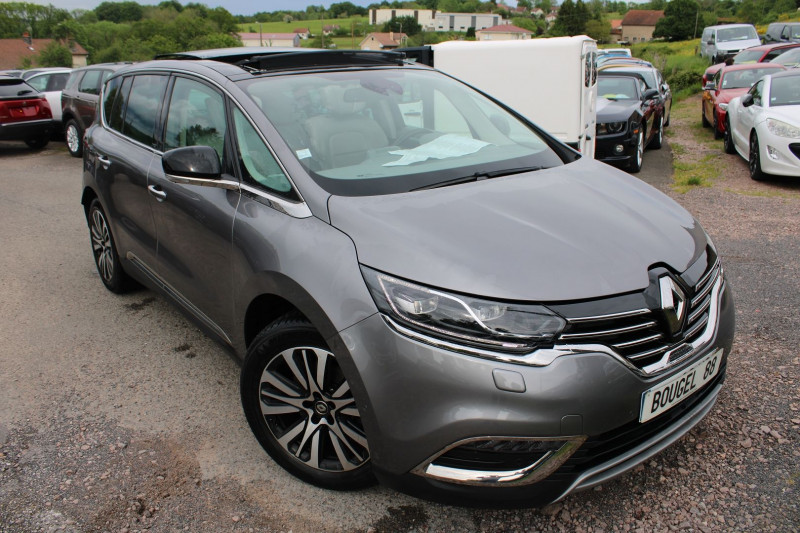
<point>610,127</point>
<point>724,107</point>
<point>465,320</point>
<point>782,129</point>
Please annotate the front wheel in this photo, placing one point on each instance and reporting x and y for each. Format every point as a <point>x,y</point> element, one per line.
<point>73,136</point>
<point>754,161</point>
<point>727,139</point>
<point>301,409</point>
<point>635,164</point>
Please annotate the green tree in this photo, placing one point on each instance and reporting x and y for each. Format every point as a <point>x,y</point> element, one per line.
<point>55,54</point>
<point>119,11</point>
<point>599,30</point>
<point>407,25</point>
<point>679,20</point>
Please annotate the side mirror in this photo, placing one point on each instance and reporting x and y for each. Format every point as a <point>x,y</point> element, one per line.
<point>664,87</point>
<point>709,86</point>
<point>710,41</point>
<point>649,94</point>
<point>747,100</point>
<point>199,162</point>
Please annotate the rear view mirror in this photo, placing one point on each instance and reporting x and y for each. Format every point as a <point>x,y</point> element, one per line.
<point>200,162</point>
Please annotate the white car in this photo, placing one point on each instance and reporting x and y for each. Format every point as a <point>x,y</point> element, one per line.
<point>763,126</point>
<point>50,82</point>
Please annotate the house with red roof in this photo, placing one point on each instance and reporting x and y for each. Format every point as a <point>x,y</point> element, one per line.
<point>503,32</point>
<point>270,39</point>
<point>14,52</point>
<point>383,41</point>
<point>638,25</point>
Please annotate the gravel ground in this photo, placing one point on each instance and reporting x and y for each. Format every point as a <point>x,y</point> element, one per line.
<point>118,415</point>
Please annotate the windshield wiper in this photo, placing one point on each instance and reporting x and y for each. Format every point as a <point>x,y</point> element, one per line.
<point>478,176</point>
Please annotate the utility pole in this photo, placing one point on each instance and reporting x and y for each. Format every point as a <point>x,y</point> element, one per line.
<point>696,18</point>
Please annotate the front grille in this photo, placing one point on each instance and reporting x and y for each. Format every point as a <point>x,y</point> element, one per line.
<point>795,148</point>
<point>640,335</point>
<point>496,455</point>
<point>602,448</point>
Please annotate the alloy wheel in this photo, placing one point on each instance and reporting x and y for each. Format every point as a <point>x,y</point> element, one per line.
<point>73,139</point>
<point>101,245</point>
<point>308,407</point>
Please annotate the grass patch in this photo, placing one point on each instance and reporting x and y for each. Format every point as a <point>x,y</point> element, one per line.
<point>690,174</point>
<point>314,26</point>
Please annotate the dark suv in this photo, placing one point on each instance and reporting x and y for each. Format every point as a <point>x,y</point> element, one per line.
<point>422,286</point>
<point>79,102</point>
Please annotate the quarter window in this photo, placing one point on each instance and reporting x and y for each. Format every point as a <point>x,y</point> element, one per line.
<point>756,92</point>
<point>143,107</point>
<point>256,162</point>
<point>117,111</point>
<point>196,117</point>
<point>90,84</point>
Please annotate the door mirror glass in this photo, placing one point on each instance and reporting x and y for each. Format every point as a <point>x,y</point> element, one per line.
<point>747,100</point>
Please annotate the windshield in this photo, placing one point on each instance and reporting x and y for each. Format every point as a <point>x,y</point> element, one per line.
<point>389,130</point>
<point>785,91</point>
<point>617,88</point>
<point>646,73</point>
<point>736,34</point>
<point>788,59</point>
<point>742,79</point>
<point>748,56</point>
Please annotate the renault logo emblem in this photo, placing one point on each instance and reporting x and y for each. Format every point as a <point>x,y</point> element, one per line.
<point>673,303</point>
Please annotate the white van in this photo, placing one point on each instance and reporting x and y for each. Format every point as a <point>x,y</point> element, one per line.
<point>720,42</point>
<point>553,82</point>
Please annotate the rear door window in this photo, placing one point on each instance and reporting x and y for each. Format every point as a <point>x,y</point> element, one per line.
<point>90,84</point>
<point>143,108</point>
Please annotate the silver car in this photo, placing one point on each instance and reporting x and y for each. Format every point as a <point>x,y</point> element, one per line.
<point>422,286</point>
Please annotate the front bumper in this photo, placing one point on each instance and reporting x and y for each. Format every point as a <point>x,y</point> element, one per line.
<point>604,148</point>
<point>780,156</point>
<point>420,401</point>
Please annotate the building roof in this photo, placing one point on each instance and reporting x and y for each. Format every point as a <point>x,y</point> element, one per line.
<point>387,39</point>
<point>505,28</point>
<point>265,36</point>
<point>616,24</point>
<point>642,17</point>
<point>12,51</point>
<point>300,30</point>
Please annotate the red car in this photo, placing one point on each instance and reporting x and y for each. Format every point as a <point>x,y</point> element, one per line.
<point>25,114</point>
<point>728,83</point>
<point>755,54</point>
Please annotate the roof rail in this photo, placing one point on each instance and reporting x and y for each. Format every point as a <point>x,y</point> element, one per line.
<point>266,59</point>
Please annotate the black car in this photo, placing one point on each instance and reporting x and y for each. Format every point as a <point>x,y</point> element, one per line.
<point>79,102</point>
<point>653,79</point>
<point>25,114</point>
<point>629,118</point>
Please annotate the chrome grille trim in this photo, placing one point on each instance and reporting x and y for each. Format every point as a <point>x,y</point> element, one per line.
<point>708,275</point>
<point>645,340</point>
<point>650,353</point>
<point>705,290</point>
<point>608,332</point>
<point>697,327</point>
<point>611,316</point>
<point>699,311</point>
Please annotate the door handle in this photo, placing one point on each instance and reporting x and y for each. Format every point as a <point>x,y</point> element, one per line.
<point>106,162</point>
<point>156,191</point>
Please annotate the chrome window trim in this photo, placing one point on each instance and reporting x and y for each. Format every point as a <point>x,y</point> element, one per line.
<point>294,209</point>
<point>532,473</point>
<point>545,356</point>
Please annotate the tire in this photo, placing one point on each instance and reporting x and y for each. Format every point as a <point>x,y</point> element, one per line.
<point>635,164</point>
<point>717,133</point>
<point>727,139</point>
<point>658,137</point>
<point>73,137</point>
<point>706,123</point>
<point>754,160</point>
<point>311,429</point>
<point>104,250</point>
<point>37,143</point>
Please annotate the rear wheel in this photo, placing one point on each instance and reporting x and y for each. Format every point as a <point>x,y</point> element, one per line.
<point>104,250</point>
<point>38,142</point>
<point>73,136</point>
<point>301,409</point>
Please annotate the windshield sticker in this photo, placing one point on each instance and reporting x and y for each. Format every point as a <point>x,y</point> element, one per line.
<point>305,153</point>
<point>449,145</point>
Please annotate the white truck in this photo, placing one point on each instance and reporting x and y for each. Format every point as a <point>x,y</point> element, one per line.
<point>552,82</point>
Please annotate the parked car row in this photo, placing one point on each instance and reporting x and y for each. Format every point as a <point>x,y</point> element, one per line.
<point>723,41</point>
<point>634,103</point>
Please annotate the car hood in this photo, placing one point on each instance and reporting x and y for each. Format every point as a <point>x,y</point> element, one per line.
<point>727,46</point>
<point>615,110</point>
<point>581,230</point>
<point>786,113</point>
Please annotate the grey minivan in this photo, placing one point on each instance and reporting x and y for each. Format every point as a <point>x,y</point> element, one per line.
<point>423,287</point>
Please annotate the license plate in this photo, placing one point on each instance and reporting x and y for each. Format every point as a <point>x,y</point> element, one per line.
<point>670,393</point>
